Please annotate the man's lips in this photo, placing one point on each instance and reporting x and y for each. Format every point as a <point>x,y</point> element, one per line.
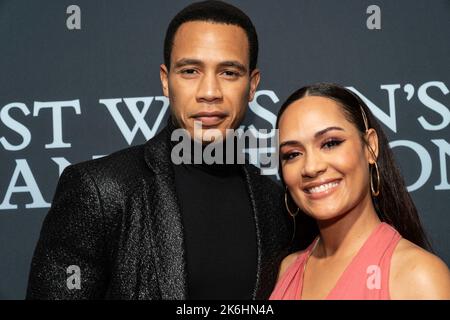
<point>210,119</point>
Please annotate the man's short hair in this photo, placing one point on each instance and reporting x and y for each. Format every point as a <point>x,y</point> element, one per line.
<point>215,12</point>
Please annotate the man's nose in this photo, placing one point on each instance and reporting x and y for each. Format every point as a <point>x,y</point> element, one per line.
<point>209,89</point>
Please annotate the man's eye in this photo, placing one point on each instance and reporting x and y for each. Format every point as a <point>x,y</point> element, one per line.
<point>231,74</point>
<point>331,143</point>
<point>290,155</point>
<point>188,71</point>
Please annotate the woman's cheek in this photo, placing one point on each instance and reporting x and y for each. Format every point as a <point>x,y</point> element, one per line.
<point>289,175</point>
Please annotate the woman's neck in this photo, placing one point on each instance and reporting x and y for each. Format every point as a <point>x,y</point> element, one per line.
<point>345,234</point>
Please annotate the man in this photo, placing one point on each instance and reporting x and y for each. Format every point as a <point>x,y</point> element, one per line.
<point>136,226</point>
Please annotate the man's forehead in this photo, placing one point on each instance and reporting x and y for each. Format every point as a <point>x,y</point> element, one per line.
<point>199,26</point>
<point>210,41</point>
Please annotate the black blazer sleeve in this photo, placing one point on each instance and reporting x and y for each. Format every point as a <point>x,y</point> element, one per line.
<point>72,235</point>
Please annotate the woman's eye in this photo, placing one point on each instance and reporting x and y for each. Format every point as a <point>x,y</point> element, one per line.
<point>331,143</point>
<point>290,155</point>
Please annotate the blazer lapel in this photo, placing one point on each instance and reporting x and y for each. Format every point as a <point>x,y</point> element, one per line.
<point>257,210</point>
<point>264,210</point>
<point>165,221</point>
<point>165,224</point>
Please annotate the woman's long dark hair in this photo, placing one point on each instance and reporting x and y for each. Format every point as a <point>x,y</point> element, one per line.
<point>394,204</point>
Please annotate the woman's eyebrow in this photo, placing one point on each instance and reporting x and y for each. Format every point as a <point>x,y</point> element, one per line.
<point>316,135</point>
<point>322,132</point>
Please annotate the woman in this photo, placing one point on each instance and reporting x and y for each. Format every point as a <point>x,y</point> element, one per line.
<point>339,170</point>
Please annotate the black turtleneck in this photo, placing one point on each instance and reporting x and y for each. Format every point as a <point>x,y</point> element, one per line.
<point>219,230</point>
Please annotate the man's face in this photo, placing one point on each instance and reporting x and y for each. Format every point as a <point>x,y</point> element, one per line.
<point>209,79</point>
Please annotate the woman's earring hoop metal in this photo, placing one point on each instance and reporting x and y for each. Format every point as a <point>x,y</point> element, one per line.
<point>375,192</point>
<point>292,214</point>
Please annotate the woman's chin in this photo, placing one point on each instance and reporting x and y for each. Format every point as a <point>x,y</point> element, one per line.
<point>325,215</point>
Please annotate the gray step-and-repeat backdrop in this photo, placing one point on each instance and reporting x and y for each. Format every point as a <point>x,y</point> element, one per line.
<point>80,79</point>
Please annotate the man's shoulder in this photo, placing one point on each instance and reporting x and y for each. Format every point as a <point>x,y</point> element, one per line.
<point>126,162</point>
<point>263,180</point>
<point>121,162</point>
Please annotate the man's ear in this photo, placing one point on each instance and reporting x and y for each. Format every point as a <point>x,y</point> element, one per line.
<point>254,81</point>
<point>164,76</point>
<point>372,145</point>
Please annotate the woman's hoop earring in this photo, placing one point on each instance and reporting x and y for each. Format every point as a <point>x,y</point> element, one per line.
<point>376,192</point>
<point>293,215</point>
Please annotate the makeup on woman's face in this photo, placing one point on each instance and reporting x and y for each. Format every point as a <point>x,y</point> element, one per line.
<point>323,161</point>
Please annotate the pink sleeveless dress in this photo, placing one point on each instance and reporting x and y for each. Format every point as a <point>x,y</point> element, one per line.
<point>365,278</point>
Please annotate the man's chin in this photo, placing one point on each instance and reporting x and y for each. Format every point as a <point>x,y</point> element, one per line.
<point>210,135</point>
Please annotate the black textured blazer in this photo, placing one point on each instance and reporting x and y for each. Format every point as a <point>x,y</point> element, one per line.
<point>117,218</point>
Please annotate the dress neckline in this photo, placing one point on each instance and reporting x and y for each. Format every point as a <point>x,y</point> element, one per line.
<point>310,250</point>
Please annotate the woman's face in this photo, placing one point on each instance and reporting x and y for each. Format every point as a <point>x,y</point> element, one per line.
<point>324,162</point>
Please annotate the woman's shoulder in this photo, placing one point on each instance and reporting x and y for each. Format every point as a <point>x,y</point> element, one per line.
<point>287,262</point>
<point>418,274</point>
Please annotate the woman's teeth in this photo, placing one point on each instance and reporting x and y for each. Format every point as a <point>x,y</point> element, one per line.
<point>322,188</point>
